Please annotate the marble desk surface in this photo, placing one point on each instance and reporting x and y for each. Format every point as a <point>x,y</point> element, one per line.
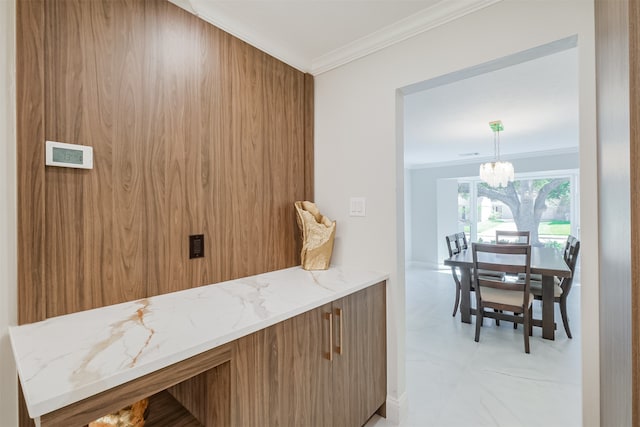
<point>68,358</point>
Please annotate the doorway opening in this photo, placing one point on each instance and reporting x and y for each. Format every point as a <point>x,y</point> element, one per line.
<point>444,195</point>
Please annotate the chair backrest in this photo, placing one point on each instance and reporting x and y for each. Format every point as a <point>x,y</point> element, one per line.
<point>567,246</point>
<point>462,240</point>
<point>513,237</point>
<point>456,243</point>
<point>499,259</point>
<point>570,257</point>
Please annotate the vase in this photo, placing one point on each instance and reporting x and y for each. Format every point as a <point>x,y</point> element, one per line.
<point>318,233</point>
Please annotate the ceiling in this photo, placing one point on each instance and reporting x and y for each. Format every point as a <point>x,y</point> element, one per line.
<point>446,120</point>
<point>315,36</point>
<point>536,100</point>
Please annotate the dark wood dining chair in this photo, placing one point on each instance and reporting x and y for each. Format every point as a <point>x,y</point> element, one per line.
<point>513,237</point>
<point>508,294</point>
<point>562,287</point>
<point>456,243</point>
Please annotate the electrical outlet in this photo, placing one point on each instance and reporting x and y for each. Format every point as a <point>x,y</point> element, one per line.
<point>196,246</point>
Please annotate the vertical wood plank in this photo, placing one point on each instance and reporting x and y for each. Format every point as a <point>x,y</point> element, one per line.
<point>96,247</point>
<point>363,356</point>
<point>154,165</point>
<point>614,180</point>
<point>219,396</point>
<point>130,225</point>
<point>306,382</point>
<point>23,414</point>
<point>280,376</point>
<point>30,116</point>
<point>245,147</point>
<point>283,160</point>
<point>207,396</point>
<point>308,137</point>
<point>634,115</point>
<point>250,378</point>
<point>175,64</point>
<point>64,116</point>
<point>212,106</point>
<point>97,23</point>
<point>192,394</point>
<point>30,124</point>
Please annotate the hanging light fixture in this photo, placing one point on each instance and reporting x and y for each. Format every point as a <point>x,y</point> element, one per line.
<point>496,173</point>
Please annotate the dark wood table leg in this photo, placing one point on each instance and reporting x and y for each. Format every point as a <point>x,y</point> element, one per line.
<point>548,321</point>
<point>465,297</point>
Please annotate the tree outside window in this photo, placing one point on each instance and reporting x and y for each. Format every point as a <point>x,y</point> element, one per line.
<point>531,201</point>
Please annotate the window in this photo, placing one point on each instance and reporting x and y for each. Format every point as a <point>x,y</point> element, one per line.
<point>545,205</point>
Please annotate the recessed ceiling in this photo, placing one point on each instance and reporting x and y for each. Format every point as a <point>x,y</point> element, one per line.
<point>317,35</point>
<point>537,101</point>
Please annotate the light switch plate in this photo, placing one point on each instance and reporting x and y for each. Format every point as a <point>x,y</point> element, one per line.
<point>357,206</point>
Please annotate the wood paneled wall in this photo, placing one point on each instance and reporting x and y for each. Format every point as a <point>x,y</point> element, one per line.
<point>634,115</point>
<point>193,132</point>
<point>618,179</point>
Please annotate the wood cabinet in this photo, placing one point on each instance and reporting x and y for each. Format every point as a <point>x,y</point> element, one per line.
<point>325,367</point>
<point>359,365</point>
<point>279,373</point>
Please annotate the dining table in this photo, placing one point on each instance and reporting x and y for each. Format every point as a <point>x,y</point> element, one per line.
<point>546,261</point>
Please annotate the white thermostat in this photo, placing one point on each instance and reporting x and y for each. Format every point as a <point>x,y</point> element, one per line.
<point>68,155</point>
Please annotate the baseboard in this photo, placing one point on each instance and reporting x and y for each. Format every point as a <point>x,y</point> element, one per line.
<point>422,264</point>
<point>397,409</point>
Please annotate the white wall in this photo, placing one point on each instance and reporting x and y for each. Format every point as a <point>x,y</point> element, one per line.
<point>446,204</point>
<point>357,123</point>
<point>8,261</point>
<point>428,240</point>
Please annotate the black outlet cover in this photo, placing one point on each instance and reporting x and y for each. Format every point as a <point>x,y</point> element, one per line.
<point>196,246</point>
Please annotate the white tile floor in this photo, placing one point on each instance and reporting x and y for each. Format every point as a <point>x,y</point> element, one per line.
<point>454,381</point>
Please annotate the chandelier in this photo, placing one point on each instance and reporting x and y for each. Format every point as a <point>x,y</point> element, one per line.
<point>496,173</point>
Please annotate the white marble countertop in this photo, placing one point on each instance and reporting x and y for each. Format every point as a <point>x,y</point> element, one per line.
<point>68,358</point>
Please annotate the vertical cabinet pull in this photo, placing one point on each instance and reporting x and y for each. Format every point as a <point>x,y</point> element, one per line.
<point>339,315</point>
<point>329,317</point>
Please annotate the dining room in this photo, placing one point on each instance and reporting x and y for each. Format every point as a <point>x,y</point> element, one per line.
<point>446,195</point>
<point>442,347</point>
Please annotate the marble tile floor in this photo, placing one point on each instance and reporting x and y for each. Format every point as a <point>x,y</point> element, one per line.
<point>454,381</point>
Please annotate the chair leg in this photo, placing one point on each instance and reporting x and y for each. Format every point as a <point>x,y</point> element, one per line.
<point>515,325</point>
<point>565,318</point>
<point>497,320</point>
<point>458,292</point>
<point>479,318</point>
<point>531,321</point>
<point>525,332</point>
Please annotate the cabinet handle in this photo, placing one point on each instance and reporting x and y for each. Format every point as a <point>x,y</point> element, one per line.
<point>329,317</point>
<point>339,315</point>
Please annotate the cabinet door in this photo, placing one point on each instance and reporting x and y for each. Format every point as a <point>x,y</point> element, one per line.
<point>307,381</point>
<point>282,375</point>
<point>360,354</point>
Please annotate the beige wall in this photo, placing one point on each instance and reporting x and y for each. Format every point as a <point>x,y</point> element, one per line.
<point>8,261</point>
<point>358,150</point>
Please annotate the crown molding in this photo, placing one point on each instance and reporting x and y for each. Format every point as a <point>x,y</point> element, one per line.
<point>245,33</point>
<point>425,20</point>
<point>429,18</point>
